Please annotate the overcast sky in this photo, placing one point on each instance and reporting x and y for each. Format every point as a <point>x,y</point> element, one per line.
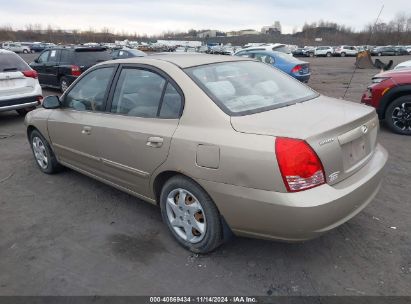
<point>157,16</point>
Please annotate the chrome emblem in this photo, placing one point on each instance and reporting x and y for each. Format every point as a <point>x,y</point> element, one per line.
<point>333,176</point>
<point>326,141</point>
<point>364,129</point>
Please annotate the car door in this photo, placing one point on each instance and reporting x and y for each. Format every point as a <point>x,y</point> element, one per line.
<point>51,68</point>
<point>134,137</point>
<point>39,65</point>
<point>71,128</point>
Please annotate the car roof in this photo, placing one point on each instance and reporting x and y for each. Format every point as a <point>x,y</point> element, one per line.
<point>183,61</point>
<point>3,51</point>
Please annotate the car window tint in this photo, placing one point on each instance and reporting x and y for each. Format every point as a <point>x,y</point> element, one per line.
<point>10,62</point>
<point>138,93</point>
<point>65,56</point>
<point>172,102</point>
<point>88,94</point>
<point>43,57</point>
<point>53,56</point>
<point>89,58</point>
<point>244,87</point>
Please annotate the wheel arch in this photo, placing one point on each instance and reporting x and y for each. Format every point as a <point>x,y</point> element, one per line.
<point>163,177</point>
<point>391,95</point>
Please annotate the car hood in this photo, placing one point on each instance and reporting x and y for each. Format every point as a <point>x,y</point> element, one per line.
<point>391,73</point>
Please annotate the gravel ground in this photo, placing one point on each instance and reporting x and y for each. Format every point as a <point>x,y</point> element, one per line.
<point>68,234</point>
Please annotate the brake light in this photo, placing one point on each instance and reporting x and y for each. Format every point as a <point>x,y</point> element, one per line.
<point>75,70</point>
<point>30,74</point>
<point>296,69</point>
<point>300,167</point>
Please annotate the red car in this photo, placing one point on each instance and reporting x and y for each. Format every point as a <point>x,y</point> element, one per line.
<point>390,94</point>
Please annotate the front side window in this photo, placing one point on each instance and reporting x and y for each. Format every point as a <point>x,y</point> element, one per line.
<point>43,57</point>
<point>138,93</point>
<point>246,87</point>
<point>89,92</point>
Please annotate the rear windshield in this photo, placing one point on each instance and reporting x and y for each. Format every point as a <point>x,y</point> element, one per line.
<point>90,58</point>
<point>10,62</point>
<point>247,87</point>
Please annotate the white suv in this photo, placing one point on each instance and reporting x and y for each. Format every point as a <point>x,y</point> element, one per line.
<point>19,87</point>
<point>324,51</point>
<point>16,47</point>
<point>345,50</point>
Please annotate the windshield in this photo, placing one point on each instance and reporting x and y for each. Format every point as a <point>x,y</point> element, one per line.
<point>246,87</point>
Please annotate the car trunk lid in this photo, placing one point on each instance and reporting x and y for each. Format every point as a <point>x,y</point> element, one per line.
<point>14,82</point>
<point>342,133</point>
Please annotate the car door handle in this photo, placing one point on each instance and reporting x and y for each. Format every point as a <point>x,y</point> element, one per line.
<point>86,130</point>
<point>155,142</point>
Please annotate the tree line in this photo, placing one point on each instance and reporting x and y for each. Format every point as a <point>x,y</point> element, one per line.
<point>395,31</point>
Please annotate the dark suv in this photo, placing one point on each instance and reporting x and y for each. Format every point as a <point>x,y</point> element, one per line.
<point>59,67</point>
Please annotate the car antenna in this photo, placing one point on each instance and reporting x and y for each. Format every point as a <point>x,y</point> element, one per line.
<point>368,41</point>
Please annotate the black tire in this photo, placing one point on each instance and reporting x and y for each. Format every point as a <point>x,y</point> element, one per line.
<point>328,54</point>
<point>213,235</point>
<point>399,123</point>
<point>311,54</point>
<point>379,54</point>
<point>25,51</point>
<point>64,84</point>
<point>343,54</point>
<point>52,165</point>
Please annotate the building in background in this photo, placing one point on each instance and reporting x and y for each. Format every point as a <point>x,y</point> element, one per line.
<point>272,29</point>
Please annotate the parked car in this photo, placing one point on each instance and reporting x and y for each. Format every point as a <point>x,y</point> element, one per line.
<point>278,47</point>
<point>401,50</point>
<point>345,50</point>
<point>39,47</point>
<point>408,48</point>
<point>299,52</point>
<point>325,51</point>
<point>403,65</point>
<point>384,51</point>
<point>127,53</point>
<point>15,47</point>
<point>390,94</point>
<point>288,64</point>
<point>218,142</point>
<point>19,87</point>
<point>59,67</point>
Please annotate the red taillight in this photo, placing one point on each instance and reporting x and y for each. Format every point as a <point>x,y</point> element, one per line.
<point>300,166</point>
<point>75,70</point>
<point>296,69</point>
<point>30,73</point>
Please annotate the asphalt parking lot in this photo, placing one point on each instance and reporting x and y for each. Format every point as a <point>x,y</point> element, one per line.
<point>68,234</point>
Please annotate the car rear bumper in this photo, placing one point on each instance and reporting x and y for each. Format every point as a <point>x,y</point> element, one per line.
<point>303,78</point>
<point>297,216</point>
<point>19,103</point>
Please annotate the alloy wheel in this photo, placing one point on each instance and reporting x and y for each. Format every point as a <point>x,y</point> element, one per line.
<point>40,152</point>
<point>186,215</point>
<point>401,116</point>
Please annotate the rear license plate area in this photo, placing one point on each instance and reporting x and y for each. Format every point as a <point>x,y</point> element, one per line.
<point>7,83</point>
<point>355,151</point>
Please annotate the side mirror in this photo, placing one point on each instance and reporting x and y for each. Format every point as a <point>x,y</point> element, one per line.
<point>51,102</point>
<point>36,60</point>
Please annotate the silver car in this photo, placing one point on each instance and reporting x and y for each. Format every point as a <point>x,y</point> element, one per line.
<point>220,143</point>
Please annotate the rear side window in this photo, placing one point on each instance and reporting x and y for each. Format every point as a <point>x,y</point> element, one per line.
<point>65,56</point>
<point>90,58</point>
<point>10,62</point>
